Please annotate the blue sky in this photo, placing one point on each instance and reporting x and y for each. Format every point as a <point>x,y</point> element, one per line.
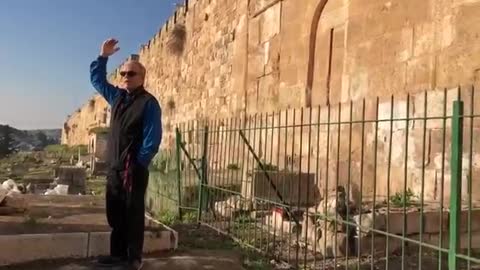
<point>46,47</point>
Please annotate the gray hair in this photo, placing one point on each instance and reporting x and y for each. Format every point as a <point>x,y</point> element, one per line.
<point>142,68</point>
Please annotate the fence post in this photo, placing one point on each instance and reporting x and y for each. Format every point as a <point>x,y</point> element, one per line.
<point>178,141</point>
<point>203,178</point>
<point>455,183</point>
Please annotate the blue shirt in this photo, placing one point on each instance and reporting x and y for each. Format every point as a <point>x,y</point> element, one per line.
<point>152,124</point>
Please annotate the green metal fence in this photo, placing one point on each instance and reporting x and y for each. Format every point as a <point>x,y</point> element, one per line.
<point>376,184</point>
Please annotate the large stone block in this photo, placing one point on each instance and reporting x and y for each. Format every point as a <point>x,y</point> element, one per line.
<point>377,245</point>
<point>420,73</point>
<point>448,73</point>
<point>438,103</point>
<point>474,220</point>
<point>257,6</point>
<point>368,221</point>
<point>291,186</point>
<point>98,244</point>
<point>465,24</point>
<point>397,45</point>
<point>31,247</point>
<point>74,177</point>
<point>423,38</point>
<point>465,240</point>
<point>272,55</point>
<point>433,219</point>
<point>158,241</point>
<point>396,220</point>
<point>333,17</point>
<point>270,23</point>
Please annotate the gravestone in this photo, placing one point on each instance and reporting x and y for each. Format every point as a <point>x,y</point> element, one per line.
<point>73,176</point>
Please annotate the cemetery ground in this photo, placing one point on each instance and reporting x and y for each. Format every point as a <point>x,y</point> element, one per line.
<point>32,214</point>
<point>35,220</point>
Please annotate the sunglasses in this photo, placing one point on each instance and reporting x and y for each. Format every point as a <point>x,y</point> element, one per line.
<point>128,73</point>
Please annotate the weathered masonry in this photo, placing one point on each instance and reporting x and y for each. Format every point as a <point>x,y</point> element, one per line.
<point>217,59</point>
<point>223,58</point>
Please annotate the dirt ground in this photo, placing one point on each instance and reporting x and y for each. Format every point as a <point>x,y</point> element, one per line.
<point>199,248</point>
<point>195,259</point>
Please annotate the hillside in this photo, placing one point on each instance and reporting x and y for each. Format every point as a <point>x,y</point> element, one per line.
<point>28,140</point>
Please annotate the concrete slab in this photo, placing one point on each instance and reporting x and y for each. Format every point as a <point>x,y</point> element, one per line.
<point>198,260</point>
<point>28,247</point>
<point>68,227</point>
<point>98,244</point>
<point>23,248</point>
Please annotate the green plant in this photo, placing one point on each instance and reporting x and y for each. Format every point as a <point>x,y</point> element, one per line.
<point>189,217</point>
<point>233,167</point>
<point>176,39</point>
<point>171,104</point>
<point>401,199</point>
<point>168,218</point>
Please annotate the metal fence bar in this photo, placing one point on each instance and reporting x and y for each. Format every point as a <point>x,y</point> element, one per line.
<point>389,166</point>
<point>349,177</point>
<point>317,181</point>
<point>203,178</point>
<point>178,142</point>
<point>470,176</point>
<point>424,139</point>
<point>382,149</point>
<point>456,183</point>
<point>375,147</point>
<point>359,246</point>
<point>404,229</point>
<point>442,180</point>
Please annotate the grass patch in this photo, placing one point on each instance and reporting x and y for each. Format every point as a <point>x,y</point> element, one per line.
<point>97,186</point>
<point>401,199</point>
<point>61,149</point>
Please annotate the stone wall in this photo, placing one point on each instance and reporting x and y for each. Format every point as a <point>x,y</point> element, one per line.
<point>223,58</point>
<point>215,59</point>
<point>95,113</point>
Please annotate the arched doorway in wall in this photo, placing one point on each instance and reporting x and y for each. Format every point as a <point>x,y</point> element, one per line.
<point>326,54</point>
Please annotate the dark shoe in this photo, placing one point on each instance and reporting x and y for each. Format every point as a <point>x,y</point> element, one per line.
<point>110,261</point>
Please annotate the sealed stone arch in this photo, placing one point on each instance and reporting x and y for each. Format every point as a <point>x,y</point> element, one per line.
<point>326,54</point>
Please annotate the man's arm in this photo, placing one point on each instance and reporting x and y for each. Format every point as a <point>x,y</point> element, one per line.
<point>98,78</point>
<point>152,133</point>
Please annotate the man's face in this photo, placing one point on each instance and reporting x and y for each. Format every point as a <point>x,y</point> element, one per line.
<point>133,75</point>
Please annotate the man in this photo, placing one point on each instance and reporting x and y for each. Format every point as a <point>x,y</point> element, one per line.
<point>135,135</point>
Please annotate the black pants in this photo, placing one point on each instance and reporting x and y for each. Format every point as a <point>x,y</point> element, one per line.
<point>126,213</point>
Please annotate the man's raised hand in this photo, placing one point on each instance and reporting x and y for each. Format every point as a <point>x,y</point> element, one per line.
<point>109,47</point>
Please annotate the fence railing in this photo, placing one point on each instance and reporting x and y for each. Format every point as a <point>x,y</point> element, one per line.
<point>378,184</point>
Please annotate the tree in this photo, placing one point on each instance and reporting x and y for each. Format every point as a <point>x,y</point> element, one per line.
<point>42,138</point>
<point>6,141</point>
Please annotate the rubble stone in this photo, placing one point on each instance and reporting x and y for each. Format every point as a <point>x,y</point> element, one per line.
<point>3,194</point>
